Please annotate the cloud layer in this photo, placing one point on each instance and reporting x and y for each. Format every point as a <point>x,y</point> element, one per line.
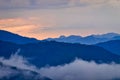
<point>17,67</point>
<point>54,3</point>
<point>77,70</point>
<point>18,61</point>
<point>83,70</point>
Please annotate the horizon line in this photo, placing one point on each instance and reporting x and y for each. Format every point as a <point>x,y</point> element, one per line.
<point>97,34</point>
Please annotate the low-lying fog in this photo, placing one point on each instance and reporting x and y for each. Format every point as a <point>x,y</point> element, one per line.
<point>77,70</point>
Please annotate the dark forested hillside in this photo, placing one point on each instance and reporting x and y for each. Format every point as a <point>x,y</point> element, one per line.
<point>15,38</point>
<point>112,46</point>
<point>56,53</point>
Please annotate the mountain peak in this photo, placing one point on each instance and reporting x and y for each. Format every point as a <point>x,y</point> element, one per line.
<point>62,36</point>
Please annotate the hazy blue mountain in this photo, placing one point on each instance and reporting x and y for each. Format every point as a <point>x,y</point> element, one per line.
<point>107,35</point>
<point>116,38</point>
<point>69,39</point>
<point>57,53</point>
<point>112,46</point>
<point>92,39</point>
<point>14,73</point>
<point>15,38</point>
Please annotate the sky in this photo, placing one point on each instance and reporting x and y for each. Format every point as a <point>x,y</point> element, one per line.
<point>51,18</point>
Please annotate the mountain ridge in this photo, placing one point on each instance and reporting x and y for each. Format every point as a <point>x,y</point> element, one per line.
<point>90,40</point>
<point>58,53</point>
<point>15,38</point>
<point>112,46</point>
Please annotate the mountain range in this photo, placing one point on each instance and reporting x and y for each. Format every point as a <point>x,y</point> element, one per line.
<point>56,53</point>
<point>53,53</point>
<point>89,40</point>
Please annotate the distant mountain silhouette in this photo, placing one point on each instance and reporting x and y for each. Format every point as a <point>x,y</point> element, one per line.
<point>112,46</point>
<point>107,35</point>
<point>15,38</point>
<point>19,74</point>
<point>57,53</point>
<point>92,39</point>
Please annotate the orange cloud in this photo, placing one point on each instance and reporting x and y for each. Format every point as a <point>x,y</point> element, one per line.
<point>25,27</point>
<point>16,22</point>
<point>31,27</point>
<point>25,30</point>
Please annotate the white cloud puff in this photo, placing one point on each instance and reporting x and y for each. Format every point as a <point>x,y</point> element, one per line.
<point>77,70</point>
<point>18,61</point>
<point>83,70</point>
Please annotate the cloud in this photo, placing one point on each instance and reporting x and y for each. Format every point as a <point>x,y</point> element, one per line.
<point>11,4</point>
<point>54,22</point>
<point>77,70</point>
<point>14,4</point>
<point>6,72</point>
<point>52,3</point>
<point>92,1</point>
<point>13,73</point>
<point>29,26</point>
<point>18,61</point>
<point>76,16</point>
<point>83,70</point>
<point>17,67</point>
<point>13,22</point>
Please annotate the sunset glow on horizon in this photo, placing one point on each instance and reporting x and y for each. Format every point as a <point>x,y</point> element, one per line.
<point>52,18</point>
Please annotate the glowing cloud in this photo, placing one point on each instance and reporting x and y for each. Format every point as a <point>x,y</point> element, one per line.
<point>31,27</point>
